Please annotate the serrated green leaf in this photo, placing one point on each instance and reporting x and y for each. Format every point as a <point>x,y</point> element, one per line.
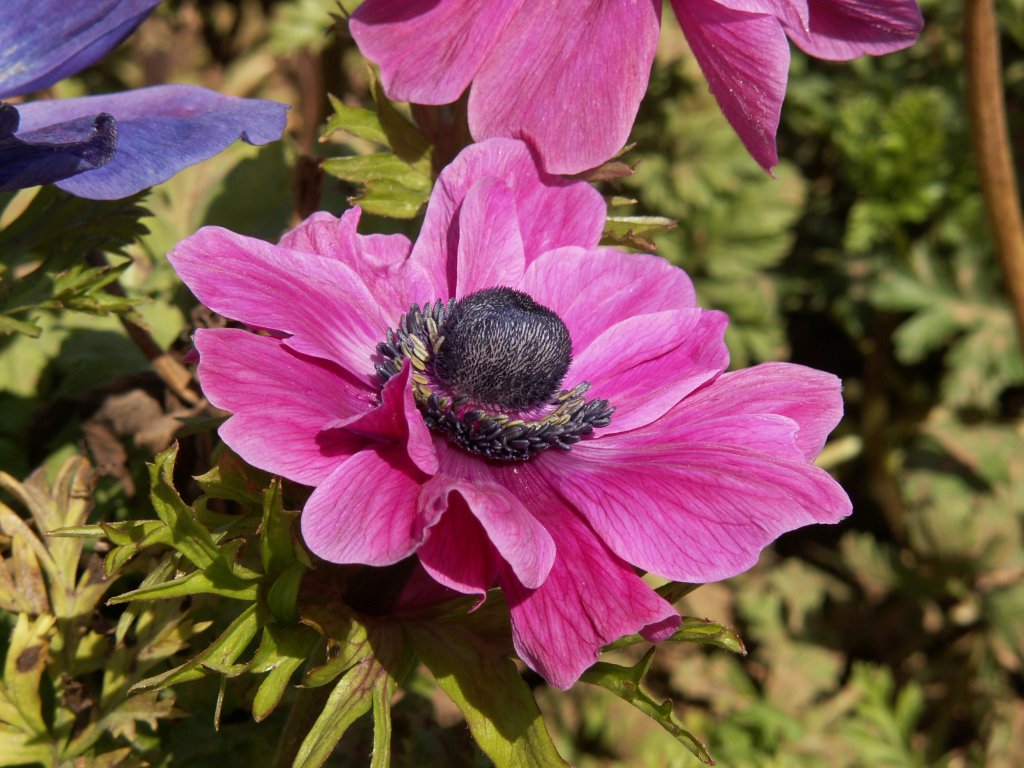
<point>220,656</point>
<point>277,545</point>
<point>282,598</point>
<point>351,698</point>
<point>625,682</point>
<point>347,643</point>
<point>24,665</point>
<point>692,630</point>
<point>404,138</point>
<point>372,678</point>
<point>635,231</point>
<point>215,580</point>
<point>358,121</point>
<point>499,708</point>
<point>233,480</point>
<point>187,535</point>
<point>282,651</point>
<point>18,748</point>
<point>10,325</point>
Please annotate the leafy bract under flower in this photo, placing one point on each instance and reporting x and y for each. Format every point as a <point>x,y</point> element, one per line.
<point>105,147</point>
<point>568,75</point>
<point>694,474</point>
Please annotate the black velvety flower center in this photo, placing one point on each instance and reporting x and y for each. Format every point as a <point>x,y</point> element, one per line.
<point>487,371</point>
<point>502,348</point>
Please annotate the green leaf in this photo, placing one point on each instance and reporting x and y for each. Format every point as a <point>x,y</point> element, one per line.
<point>625,682</point>
<point>282,599</point>
<point>692,630</point>
<point>392,187</point>
<point>18,748</point>
<point>215,580</point>
<point>358,121</point>
<point>188,536</point>
<point>282,651</point>
<point>499,708</point>
<point>277,546</point>
<point>371,682</point>
<point>350,700</point>
<point>635,231</point>
<point>220,656</point>
<point>347,642</point>
<point>234,480</point>
<point>26,660</point>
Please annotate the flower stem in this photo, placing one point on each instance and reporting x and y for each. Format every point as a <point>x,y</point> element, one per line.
<point>992,150</point>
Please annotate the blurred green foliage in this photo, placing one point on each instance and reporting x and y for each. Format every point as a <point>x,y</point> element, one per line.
<point>892,640</point>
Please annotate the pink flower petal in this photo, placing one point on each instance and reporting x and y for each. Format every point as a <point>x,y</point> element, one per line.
<point>490,249</point>
<point>398,420</point>
<point>429,50</point>
<point>594,289</point>
<point>552,212</point>
<point>568,78</point>
<point>280,402</point>
<point>839,30</point>
<point>381,261</point>
<point>646,364</point>
<point>811,399</point>
<point>321,303</point>
<point>458,553</point>
<point>589,599</point>
<point>745,58</point>
<point>515,533</point>
<point>698,502</point>
<point>366,510</point>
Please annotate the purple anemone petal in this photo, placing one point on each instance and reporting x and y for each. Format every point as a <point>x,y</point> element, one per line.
<point>515,533</point>
<point>591,290</point>
<point>429,50</point>
<point>280,403</point>
<point>745,58</point>
<point>366,510</point>
<point>810,399</point>
<point>568,78</point>
<point>839,30</point>
<point>589,599</point>
<point>54,152</point>
<point>552,212</point>
<point>382,261</point>
<point>397,420</point>
<point>322,304</point>
<point>160,131</point>
<point>458,553</point>
<point>646,364</point>
<point>490,249</point>
<point>43,41</point>
<point>697,496</point>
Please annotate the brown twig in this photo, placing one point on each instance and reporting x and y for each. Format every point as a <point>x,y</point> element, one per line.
<point>171,372</point>
<point>992,150</point>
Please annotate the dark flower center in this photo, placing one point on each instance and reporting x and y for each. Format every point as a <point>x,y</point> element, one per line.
<point>503,349</point>
<point>487,371</point>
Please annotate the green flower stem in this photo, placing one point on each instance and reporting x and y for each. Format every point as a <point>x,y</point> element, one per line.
<point>992,151</point>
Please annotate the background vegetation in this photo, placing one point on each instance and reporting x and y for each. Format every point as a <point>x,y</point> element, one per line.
<point>895,639</point>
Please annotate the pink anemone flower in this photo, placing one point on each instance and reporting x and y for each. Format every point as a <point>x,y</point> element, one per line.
<point>510,403</point>
<point>568,75</point>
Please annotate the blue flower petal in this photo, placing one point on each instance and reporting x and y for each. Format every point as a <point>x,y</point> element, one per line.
<point>161,130</point>
<point>55,152</point>
<point>43,41</point>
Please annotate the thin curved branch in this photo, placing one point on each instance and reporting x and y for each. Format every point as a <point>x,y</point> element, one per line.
<point>992,151</point>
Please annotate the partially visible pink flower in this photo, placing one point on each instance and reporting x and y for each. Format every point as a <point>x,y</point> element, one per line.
<point>510,403</point>
<point>568,75</point>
